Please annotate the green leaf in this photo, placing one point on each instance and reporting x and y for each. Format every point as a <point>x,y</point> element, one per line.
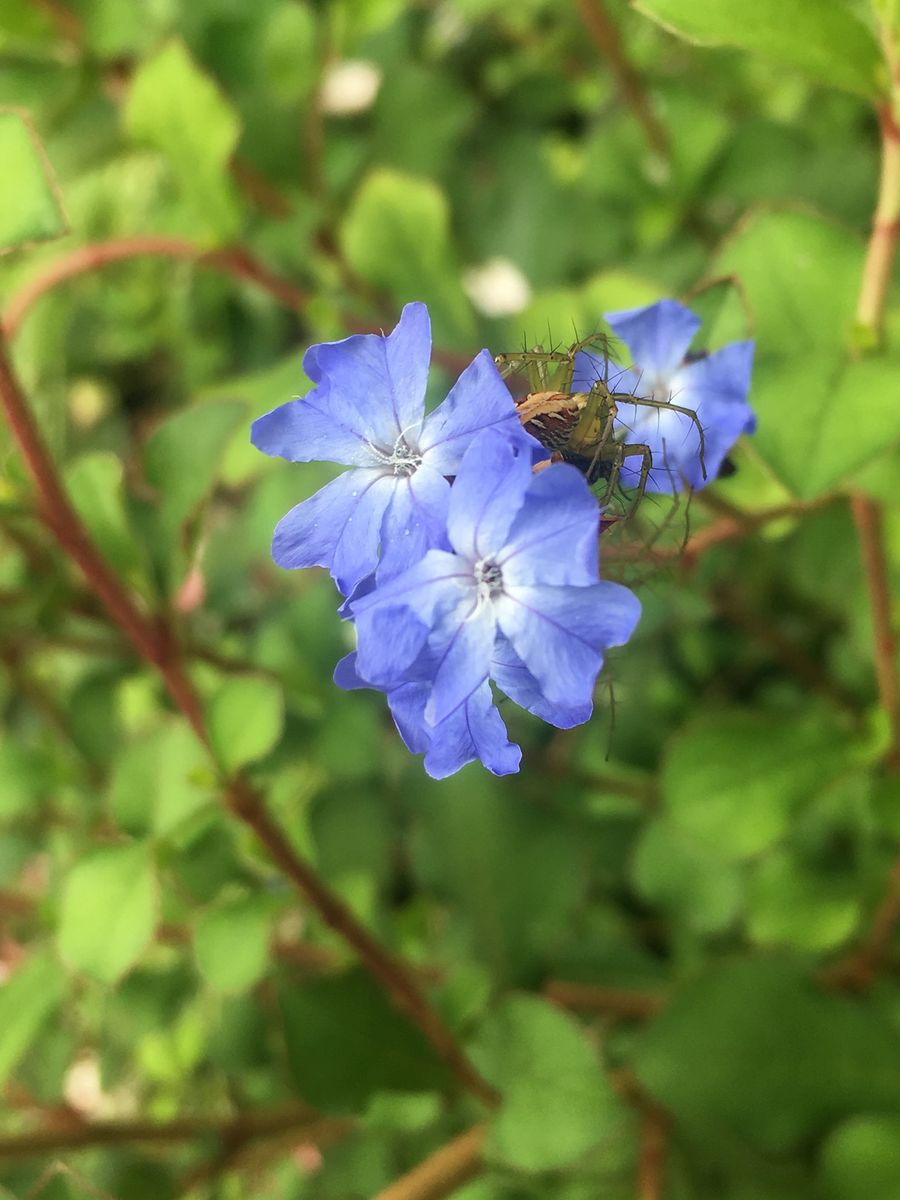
<point>686,878</point>
<point>108,911</point>
<point>159,781</point>
<point>557,1104</point>
<point>753,1049</point>
<point>792,905</point>
<point>733,781</point>
<point>28,998</point>
<point>396,236</point>
<point>822,38</point>
<point>175,107</point>
<point>245,720</point>
<point>94,482</point>
<point>346,1042</point>
<point>516,873</point>
<point>861,1160</point>
<point>800,275</point>
<point>30,208</point>
<point>231,942</point>
<point>182,457</point>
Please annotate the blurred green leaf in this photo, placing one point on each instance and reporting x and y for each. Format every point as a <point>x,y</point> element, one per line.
<point>733,781</point>
<point>245,719</point>
<point>396,236</point>
<point>557,1104</point>
<point>159,781</point>
<point>95,482</point>
<point>175,107</point>
<point>346,1041</point>
<point>231,942</point>
<point>800,275</point>
<point>28,998</point>
<point>182,456</point>
<point>686,878</point>
<point>30,208</point>
<point>861,1160</point>
<point>790,904</point>
<point>108,911</point>
<point>823,38</point>
<point>752,1049</point>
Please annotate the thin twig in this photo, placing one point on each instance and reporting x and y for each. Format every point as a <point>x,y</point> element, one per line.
<point>603,30</point>
<point>443,1172</point>
<point>233,1131</point>
<point>85,259</point>
<point>590,997</point>
<point>156,645</point>
<point>652,1160</point>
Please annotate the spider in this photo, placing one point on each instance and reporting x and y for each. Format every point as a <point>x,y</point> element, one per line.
<point>580,427</point>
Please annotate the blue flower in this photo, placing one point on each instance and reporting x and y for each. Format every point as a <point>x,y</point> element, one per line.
<point>516,598</point>
<point>713,385</point>
<point>367,411</point>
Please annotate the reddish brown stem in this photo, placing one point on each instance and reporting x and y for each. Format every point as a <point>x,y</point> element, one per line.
<point>606,36</point>
<point>233,1131</point>
<point>617,1002</point>
<point>85,259</point>
<point>443,1173</point>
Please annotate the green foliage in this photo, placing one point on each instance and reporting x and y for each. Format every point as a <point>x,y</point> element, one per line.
<point>823,38</point>
<point>346,1042</point>
<point>178,110</point>
<point>699,859</point>
<point>30,210</point>
<point>108,911</point>
<point>557,1104</point>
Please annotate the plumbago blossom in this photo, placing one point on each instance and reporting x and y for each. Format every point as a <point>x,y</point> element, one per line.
<point>470,567</point>
<point>714,386</point>
<point>516,598</point>
<point>367,412</point>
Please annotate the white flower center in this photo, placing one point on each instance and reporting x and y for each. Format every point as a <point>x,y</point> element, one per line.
<point>488,580</point>
<point>403,459</point>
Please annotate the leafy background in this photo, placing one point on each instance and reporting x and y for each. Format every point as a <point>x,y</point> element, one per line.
<point>668,944</point>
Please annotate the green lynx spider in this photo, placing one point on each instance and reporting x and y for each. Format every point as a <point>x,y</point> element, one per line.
<point>580,426</point>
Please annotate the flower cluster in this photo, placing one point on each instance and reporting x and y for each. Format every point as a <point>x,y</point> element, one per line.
<point>466,558</point>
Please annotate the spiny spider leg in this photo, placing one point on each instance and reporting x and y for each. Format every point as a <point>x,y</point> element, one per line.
<point>649,402</point>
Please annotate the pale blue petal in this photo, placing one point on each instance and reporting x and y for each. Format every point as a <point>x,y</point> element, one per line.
<point>555,534</point>
<point>657,335</point>
<point>407,705</point>
<point>337,528</point>
<point>377,379</point>
<point>462,659</point>
<point>560,633</point>
<point>415,521</point>
<point>389,640</point>
<point>434,585</point>
<point>487,494</point>
<point>309,430</point>
<point>347,676</point>
<point>513,677</point>
<point>478,400</point>
<point>474,731</point>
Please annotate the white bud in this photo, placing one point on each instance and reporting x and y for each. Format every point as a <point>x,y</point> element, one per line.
<point>497,288</point>
<point>349,87</point>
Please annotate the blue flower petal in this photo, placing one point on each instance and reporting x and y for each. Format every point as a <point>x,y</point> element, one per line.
<point>478,400</point>
<point>407,705</point>
<point>555,534</point>
<point>308,430</point>
<point>488,492</point>
<point>513,677</point>
<point>560,633</point>
<point>462,658</point>
<point>338,527</point>
<point>379,379</point>
<point>658,336</point>
<point>474,731</point>
<point>415,521</point>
